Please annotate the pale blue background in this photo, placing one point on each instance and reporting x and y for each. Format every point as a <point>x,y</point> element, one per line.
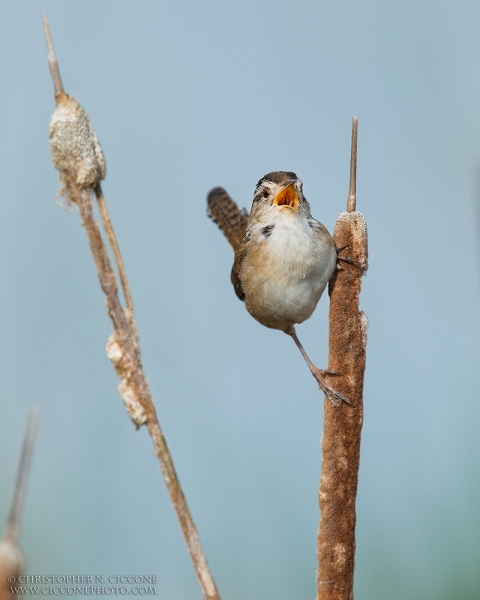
<point>185,96</point>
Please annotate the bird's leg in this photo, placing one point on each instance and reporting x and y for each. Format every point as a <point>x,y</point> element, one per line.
<point>336,398</point>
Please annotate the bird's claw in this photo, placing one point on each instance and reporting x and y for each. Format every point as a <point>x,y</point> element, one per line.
<point>329,372</point>
<point>335,397</point>
<point>350,261</point>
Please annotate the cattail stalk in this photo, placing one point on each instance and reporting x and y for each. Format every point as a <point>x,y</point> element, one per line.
<point>77,155</point>
<point>11,556</point>
<point>342,425</point>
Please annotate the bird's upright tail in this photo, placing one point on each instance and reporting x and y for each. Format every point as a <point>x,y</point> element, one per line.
<point>225,213</point>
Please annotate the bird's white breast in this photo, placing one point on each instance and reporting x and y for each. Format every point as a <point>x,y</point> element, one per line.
<point>285,272</point>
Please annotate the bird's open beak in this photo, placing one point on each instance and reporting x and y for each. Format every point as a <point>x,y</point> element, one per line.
<point>288,196</point>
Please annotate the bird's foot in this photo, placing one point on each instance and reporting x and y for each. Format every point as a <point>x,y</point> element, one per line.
<point>336,398</point>
<point>349,260</point>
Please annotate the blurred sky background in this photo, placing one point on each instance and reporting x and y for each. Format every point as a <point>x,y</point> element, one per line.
<point>185,96</point>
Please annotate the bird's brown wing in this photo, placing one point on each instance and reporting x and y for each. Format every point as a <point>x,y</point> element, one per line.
<point>237,264</point>
<point>225,213</point>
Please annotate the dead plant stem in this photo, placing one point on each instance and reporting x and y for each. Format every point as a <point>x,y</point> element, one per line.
<point>131,370</point>
<point>77,154</point>
<point>112,239</point>
<point>342,425</point>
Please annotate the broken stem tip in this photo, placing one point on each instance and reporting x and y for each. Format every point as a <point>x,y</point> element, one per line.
<point>52,61</point>
<point>23,472</point>
<point>352,192</point>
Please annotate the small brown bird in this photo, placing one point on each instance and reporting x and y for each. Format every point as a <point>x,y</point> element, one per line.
<point>284,257</point>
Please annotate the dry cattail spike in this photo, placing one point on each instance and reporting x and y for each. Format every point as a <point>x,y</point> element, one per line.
<point>77,155</point>
<point>343,425</point>
<point>11,557</point>
<point>74,146</point>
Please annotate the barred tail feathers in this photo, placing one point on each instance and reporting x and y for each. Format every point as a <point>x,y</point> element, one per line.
<point>223,211</point>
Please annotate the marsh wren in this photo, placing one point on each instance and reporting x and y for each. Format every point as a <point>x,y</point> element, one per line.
<point>284,258</point>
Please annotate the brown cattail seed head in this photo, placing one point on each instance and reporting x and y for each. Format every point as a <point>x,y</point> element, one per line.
<point>74,147</point>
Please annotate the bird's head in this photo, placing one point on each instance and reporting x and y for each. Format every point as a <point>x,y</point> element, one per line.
<point>280,191</point>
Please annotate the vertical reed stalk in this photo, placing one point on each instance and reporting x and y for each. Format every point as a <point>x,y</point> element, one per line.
<point>11,556</point>
<point>77,155</point>
<point>343,424</point>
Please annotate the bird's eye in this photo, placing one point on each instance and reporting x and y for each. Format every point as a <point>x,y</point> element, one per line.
<point>265,193</point>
